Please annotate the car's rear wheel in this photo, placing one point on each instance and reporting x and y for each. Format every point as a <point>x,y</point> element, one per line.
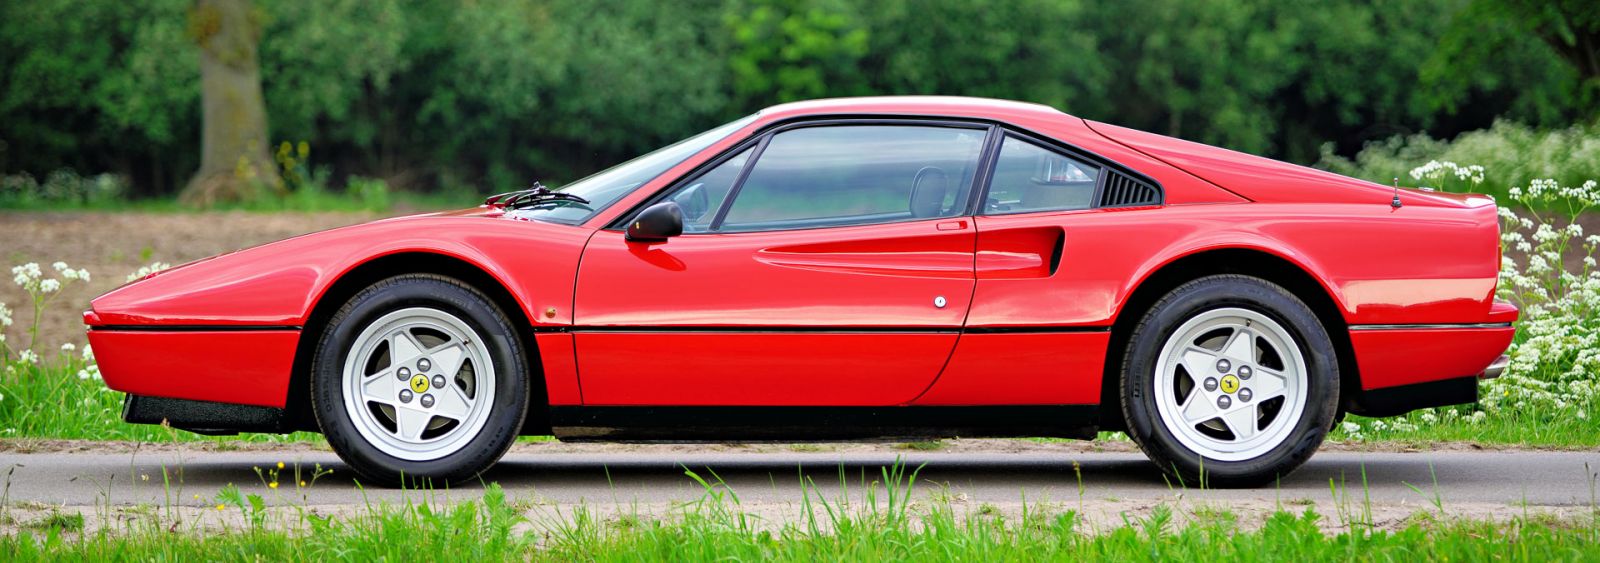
<point>419,378</point>
<point>1229,381</point>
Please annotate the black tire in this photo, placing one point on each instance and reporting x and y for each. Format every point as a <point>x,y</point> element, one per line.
<point>1140,361</point>
<point>506,411</point>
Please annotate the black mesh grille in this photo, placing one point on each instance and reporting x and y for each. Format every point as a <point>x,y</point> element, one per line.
<point>1124,191</point>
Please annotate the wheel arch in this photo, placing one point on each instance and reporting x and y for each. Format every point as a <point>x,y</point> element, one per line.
<point>298,405</point>
<point>1249,261</point>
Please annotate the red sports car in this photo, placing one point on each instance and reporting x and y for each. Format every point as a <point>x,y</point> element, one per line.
<point>841,270</point>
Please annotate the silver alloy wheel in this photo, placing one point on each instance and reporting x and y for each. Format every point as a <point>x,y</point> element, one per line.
<point>1231,384</point>
<point>418,384</point>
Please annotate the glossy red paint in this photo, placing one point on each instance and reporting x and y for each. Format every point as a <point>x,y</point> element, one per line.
<point>1401,357</point>
<point>871,278</point>
<point>242,367</point>
<point>754,369</point>
<point>1266,180</point>
<point>557,359</point>
<point>1022,369</point>
<point>278,284</point>
<point>1383,267</point>
<point>850,315</point>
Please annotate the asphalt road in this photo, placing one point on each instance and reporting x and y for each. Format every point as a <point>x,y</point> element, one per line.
<point>1499,478</point>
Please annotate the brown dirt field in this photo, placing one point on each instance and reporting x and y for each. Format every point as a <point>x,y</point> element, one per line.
<point>109,245</point>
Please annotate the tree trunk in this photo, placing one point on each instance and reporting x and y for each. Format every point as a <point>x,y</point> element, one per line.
<point>235,165</point>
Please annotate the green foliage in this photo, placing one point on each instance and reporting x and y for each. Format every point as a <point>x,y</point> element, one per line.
<point>1510,153</point>
<point>787,50</point>
<point>1486,30</point>
<point>425,95</point>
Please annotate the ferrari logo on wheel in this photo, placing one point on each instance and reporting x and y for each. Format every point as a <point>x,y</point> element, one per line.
<point>419,384</point>
<point>1229,384</point>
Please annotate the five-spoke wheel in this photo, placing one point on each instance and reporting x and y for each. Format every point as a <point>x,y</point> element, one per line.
<point>419,377</point>
<point>418,383</point>
<point>1229,380</point>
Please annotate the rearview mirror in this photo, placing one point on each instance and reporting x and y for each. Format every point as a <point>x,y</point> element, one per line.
<point>656,223</point>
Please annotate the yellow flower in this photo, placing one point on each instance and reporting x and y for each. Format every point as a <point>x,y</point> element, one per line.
<point>272,485</point>
<point>302,483</point>
<point>219,507</point>
<point>280,465</point>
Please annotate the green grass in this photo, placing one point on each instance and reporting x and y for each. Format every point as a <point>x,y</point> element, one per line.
<point>1562,429</point>
<point>58,521</point>
<point>887,526</point>
<point>52,402</point>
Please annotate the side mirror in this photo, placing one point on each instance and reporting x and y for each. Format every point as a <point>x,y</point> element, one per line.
<point>656,223</point>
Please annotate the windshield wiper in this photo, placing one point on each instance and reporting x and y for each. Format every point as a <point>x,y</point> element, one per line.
<point>531,196</point>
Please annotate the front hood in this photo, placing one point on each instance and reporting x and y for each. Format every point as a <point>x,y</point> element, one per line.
<point>276,284</point>
<point>1266,180</point>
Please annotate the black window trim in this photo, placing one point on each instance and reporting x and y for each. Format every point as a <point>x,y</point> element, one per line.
<point>760,139</point>
<point>988,156</point>
<point>738,182</point>
<point>1067,150</point>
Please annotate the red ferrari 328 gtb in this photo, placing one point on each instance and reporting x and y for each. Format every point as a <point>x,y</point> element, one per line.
<point>840,270</point>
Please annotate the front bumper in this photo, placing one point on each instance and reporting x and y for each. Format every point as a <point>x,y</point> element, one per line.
<point>235,365</point>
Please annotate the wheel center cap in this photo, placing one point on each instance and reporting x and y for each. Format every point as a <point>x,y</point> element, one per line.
<point>419,384</point>
<point>1229,384</point>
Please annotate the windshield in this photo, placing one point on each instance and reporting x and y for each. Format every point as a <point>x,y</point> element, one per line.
<point>607,186</point>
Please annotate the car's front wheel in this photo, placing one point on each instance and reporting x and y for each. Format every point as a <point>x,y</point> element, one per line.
<point>1229,381</point>
<point>419,378</point>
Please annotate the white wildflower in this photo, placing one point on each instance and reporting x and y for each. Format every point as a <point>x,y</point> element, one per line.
<point>147,270</point>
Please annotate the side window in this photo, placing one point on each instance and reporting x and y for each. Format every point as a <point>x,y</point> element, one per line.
<point>856,174</point>
<point>701,198</point>
<point>1028,177</point>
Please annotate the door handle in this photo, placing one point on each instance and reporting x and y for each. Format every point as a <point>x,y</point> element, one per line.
<point>952,226</point>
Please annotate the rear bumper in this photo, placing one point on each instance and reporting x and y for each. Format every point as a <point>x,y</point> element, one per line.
<point>1391,356</point>
<point>1496,368</point>
<point>1394,401</point>
<point>249,366</point>
<point>1408,367</point>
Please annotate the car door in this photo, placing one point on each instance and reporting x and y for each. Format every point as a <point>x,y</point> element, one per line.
<point>822,264</point>
<point>1034,334</point>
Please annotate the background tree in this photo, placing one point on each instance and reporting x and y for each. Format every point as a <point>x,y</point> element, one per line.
<point>1562,35</point>
<point>234,163</point>
<point>482,96</point>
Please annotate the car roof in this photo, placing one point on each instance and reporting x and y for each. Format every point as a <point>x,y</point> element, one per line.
<point>953,106</point>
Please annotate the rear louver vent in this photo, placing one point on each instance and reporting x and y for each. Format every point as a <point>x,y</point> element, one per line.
<point>1122,190</point>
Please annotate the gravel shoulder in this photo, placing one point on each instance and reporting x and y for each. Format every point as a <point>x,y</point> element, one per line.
<point>1350,490</point>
